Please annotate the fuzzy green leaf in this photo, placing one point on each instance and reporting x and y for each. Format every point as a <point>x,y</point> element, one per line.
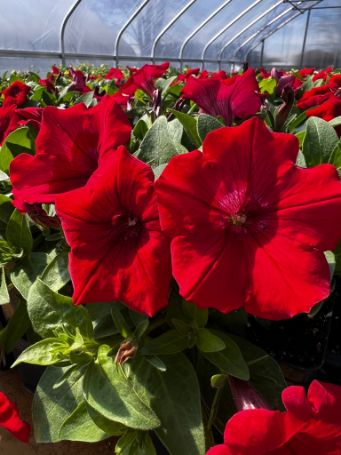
<point>50,312</point>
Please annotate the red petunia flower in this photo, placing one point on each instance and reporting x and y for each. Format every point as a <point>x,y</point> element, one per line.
<point>289,80</point>
<point>78,81</point>
<point>318,95</point>
<point>323,74</point>
<point>219,75</point>
<point>8,121</point>
<point>118,251</point>
<point>242,216</point>
<point>30,116</point>
<point>264,74</point>
<point>143,79</point>
<point>314,96</point>
<point>114,73</point>
<point>11,421</point>
<point>189,72</point>
<point>69,144</point>
<point>48,83</point>
<point>305,72</point>
<point>16,93</point>
<point>328,110</point>
<point>12,118</point>
<point>310,425</point>
<point>55,70</point>
<point>232,98</point>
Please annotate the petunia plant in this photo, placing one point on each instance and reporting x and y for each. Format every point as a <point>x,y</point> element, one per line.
<point>146,220</point>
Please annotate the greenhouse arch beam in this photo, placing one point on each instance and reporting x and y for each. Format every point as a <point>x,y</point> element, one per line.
<point>124,28</point>
<point>200,27</point>
<point>168,26</point>
<point>272,32</point>
<point>63,28</point>
<point>258,32</point>
<point>244,29</point>
<point>300,11</point>
<point>227,26</point>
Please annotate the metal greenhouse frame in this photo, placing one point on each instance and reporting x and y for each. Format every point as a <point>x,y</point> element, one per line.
<point>249,28</point>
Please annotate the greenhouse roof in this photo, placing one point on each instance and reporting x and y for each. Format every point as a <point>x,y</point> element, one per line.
<point>215,33</point>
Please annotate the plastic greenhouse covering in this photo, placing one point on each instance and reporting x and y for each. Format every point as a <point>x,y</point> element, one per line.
<point>218,33</point>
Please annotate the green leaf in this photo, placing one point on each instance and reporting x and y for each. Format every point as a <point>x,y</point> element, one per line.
<point>8,253</point>
<point>170,342</point>
<point>300,161</point>
<point>335,157</point>
<point>157,363</point>
<point>330,257</point>
<point>294,121</point>
<point>79,426</point>
<point>55,399</point>
<point>165,84</point>
<point>198,316</point>
<point>120,321</point>
<point>19,141</point>
<point>87,98</point>
<point>319,142</point>
<point>50,311</point>
<point>265,374</point>
<point>207,342</point>
<point>6,208</point>
<point>190,126</point>
<point>175,130</point>
<point>268,85</point>
<point>230,360</point>
<point>175,398</point>
<point>140,129</point>
<point>26,271</point>
<point>218,381</point>
<point>108,426</point>
<point>160,143</point>
<point>18,233</point>
<point>45,352</point>
<point>4,296</point>
<point>56,274</point>
<point>111,393</point>
<point>207,123</point>
<point>335,121</point>
<point>16,327</point>
<point>135,443</point>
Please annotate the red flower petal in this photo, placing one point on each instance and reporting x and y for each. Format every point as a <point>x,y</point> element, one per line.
<point>117,249</point>
<point>69,144</point>
<point>220,449</point>
<point>11,421</point>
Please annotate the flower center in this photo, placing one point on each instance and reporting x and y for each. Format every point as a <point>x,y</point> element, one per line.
<point>126,226</point>
<point>239,219</point>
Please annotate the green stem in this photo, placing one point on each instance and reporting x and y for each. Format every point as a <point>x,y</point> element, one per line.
<point>214,408</point>
<point>157,323</point>
<point>192,108</point>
